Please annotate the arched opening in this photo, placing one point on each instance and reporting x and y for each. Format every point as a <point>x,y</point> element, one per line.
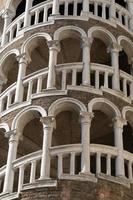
<point>102,131</point>
<point>128,138</point>
<point>102,136</point>
<point>10,70</point>
<point>38,51</point>
<point>18,7</point>
<point>99,52</point>
<point>128,133</point>
<point>3,153</point>
<point>67,131</point>
<point>71,135</point>
<point>30,142</point>
<point>126,55</point>
<point>122,3</point>
<point>70,52</point>
<point>124,62</point>
<point>100,56</point>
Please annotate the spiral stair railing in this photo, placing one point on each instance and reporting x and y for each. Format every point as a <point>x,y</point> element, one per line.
<point>111,13</point>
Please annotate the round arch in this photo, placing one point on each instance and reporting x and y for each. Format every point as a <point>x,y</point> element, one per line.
<point>26,115</point>
<point>66,103</point>
<point>125,110</point>
<point>12,5</point>
<point>4,58</point>
<point>97,103</point>
<point>13,51</point>
<point>36,35</point>
<point>102,34</point>
<point>127,45</point>
<point>65,31</point>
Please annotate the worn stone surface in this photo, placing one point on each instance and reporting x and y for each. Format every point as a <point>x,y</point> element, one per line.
<point>78,190</point>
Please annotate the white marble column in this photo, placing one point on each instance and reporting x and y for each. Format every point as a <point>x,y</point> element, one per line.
<point>54,48</point>
<point>131,84</point>
<point>86,119</point>
<point>130,8</point>
<point>113,11</point>
<point>85,11</point>
<point>48,123</point>
<point>115,49</point>
<point>27,16</point>
<point>12,153</point>
<point>118,137</point>
<point>7,15</point>
<point>22,62</point>
<point>1,85</point>
<point>55,10</point>
<point>86,48</point>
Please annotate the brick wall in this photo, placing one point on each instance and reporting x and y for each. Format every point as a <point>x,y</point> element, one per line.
<point>77,190</point>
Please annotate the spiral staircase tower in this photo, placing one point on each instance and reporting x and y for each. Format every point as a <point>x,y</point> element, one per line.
<point>66,99</point>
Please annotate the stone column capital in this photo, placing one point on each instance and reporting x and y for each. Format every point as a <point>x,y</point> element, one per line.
<point>47,121</point>
<point>86,117</point>
<point>119,122</point>
<point>54,45</point>
<point>87,42</point>
<point>23,58</point>
<point>114,47</point>
<point>12,135</point>
<point>7,14</point>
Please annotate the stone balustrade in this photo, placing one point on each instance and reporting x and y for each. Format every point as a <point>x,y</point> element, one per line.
<point>26,161</point>
<point>67,75</point>
<point>46,12</point>
<point>102,154</point>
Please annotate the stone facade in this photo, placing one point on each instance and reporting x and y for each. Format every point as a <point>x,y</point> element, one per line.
<point>77,190</point>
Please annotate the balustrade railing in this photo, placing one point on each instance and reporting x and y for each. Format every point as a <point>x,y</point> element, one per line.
<point>15,28</point>
<point>7,97</point>
<point>41,13</point>
<point>35,83</point>
<point>123,16</point>
<point>29,161</point>
<point>104,157</point>
<point>100,9</point>
<point>101,75</point>
<point>68,161</point>
<point>69,74</point>
<point>2,177</point>
<point>67,151</point>
<point>126,81</point>
<point>128,161</point>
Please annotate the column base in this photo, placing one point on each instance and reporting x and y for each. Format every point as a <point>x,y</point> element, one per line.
<point>40,183</point>
<point>53,16</point>
<point>88,175</point>
<point>85,14</point>
<point>49,89</point>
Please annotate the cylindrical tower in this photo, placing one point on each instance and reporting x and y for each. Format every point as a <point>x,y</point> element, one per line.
<point>66,102</point>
